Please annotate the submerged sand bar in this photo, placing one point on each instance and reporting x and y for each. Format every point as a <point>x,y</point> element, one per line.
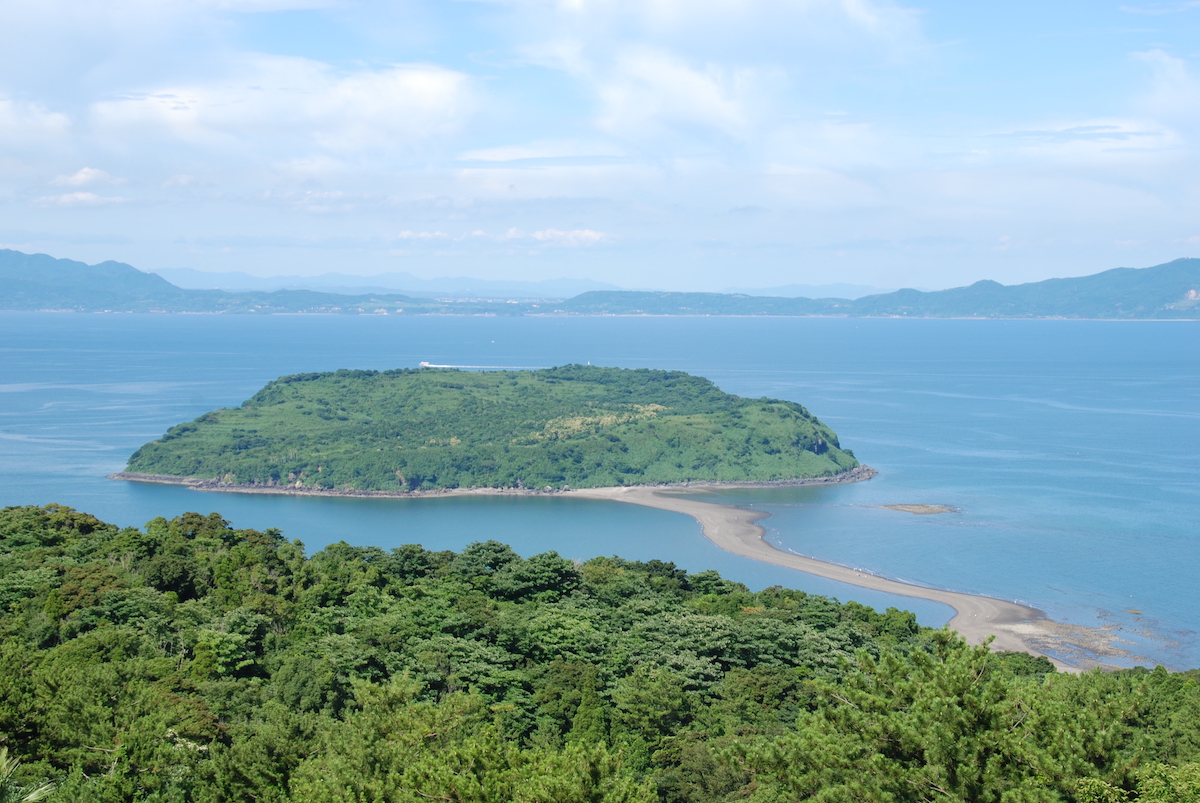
<point>1014,626</point>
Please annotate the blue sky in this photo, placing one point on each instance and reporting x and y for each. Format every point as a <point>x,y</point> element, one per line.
<point>679,144</point>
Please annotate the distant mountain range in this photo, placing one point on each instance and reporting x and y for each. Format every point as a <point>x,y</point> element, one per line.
<point>41,282</point>
<point>1164,291</point>
<point>459,286</point>
<point>382,283</point>
<point>1172,290</point>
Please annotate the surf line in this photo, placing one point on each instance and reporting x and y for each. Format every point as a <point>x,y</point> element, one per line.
<point>1015,627</point>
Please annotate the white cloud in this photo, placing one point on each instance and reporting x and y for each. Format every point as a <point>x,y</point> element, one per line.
<point>574,237</point>
<point>685,70</point>
<point>280,103</point>
<point>78,199</point>
<point>262,6</point>
<point>546,149</point>
<point>1097,139</point>
<point>819,187</point>
<point>1160,9</point>
<point>85,176</point>
<point>178,180</point>
<point>648,91</point>
<point>715,25</point>
<point>507,181</point>
<point>421,235</point>
<point>31,123</point>
<point>1174,92</point>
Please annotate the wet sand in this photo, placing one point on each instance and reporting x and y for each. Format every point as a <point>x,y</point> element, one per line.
<point>1015,627</point>
<point>919,510</point>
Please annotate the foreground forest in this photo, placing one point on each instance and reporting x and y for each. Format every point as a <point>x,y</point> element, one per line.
<point>189,661</point>
<point>578,425</point>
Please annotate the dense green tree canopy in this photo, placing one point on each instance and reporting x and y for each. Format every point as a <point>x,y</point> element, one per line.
<point>577,425</point>
<point>190,661</point>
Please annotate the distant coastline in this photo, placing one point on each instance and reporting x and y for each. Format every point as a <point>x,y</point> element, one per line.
<point>1167,291</point>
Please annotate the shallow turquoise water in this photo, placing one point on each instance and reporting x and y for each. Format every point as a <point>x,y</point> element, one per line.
<point>1068,448</point>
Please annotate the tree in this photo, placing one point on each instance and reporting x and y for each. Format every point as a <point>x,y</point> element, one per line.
<point>10,790</point>
<point>941,725</point>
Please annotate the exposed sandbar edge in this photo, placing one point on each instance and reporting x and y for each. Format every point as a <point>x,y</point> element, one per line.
<point>1014,626</point>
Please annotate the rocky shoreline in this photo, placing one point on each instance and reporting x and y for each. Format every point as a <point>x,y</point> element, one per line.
<point>858,474</point>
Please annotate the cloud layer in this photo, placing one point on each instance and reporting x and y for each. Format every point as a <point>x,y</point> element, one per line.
<point>651,143</point>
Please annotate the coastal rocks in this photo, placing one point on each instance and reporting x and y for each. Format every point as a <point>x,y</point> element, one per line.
<point>857,474</point>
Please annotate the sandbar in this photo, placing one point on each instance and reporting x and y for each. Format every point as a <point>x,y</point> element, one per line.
<point>919,510</point>
<point>1013,626</point>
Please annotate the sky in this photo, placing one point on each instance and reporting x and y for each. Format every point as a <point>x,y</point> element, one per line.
<point>672,144</point>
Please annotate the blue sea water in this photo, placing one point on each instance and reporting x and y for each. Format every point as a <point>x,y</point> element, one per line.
<point>1069,450</point>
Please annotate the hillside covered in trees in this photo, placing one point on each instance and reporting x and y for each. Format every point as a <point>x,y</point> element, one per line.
<point>189,661</point>
<point>582,426</point>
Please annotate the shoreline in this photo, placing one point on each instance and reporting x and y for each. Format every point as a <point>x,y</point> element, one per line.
<point>1016,627</point>
<point>858,474</point>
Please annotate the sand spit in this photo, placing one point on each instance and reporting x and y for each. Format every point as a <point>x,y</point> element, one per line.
<point>1015,627</point>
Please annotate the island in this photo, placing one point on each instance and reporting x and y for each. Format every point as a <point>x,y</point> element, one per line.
<point>434,429</point>
<point>661,439</point>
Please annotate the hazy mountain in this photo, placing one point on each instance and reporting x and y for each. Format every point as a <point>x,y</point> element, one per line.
<point>850,291</point>
<point>1172,290</point>
<point>406,283</point>
<point>38,281</point>
<point>41,282</point>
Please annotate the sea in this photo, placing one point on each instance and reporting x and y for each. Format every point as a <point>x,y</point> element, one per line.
<point>1067,451</point>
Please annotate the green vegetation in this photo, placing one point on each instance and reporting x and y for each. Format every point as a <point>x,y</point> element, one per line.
<point>582,426</point>
<point>190,661</point>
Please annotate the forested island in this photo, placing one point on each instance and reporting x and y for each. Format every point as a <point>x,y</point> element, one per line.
<point>415,430</point>
<point>191,661</point>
